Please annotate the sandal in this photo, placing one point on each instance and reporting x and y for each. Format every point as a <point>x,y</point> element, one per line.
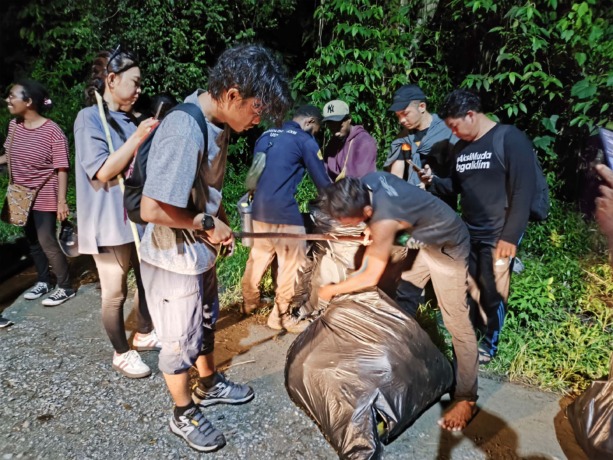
<point>484,356</point>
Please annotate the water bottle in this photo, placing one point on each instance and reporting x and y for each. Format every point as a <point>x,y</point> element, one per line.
<point>244,210</point>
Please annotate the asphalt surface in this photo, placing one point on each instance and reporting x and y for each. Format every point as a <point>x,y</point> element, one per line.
<point>60,399</point>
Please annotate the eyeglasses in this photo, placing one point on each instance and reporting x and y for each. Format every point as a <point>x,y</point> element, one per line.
<point>258,108</point>
<point>128,56</point>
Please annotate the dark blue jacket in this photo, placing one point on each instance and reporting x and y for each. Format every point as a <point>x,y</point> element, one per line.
<point>291,150</point>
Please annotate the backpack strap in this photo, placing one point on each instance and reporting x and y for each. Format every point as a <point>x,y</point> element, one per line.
<point>196,113</point>
<point>499,144</point>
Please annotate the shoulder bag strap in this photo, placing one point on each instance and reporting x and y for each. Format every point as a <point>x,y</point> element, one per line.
<point>8,156</point>
<point>343,172</point>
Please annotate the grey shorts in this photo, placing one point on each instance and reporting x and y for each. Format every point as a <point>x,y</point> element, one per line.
<point>184,309</point>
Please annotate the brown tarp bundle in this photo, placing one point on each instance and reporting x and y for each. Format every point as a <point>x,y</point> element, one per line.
<point>363,370</point>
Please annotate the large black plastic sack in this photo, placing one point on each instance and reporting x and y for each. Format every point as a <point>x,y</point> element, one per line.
<point>363,370</point>
<point>591,416</point>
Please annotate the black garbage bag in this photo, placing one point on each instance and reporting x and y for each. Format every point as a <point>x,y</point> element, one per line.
<point>591,416</point>
<point>364,370</point>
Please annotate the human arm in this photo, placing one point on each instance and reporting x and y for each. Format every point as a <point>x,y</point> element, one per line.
<point>3,159</point>
<point>520,188</point>
<point>397,168</point>
<point>375,260</point>
<point>394,163</point>
<point>59,149</point>
<point>62,205</point>
<point>315,166</point>
<point>172,167</point>
<point>117,161</point>
<point>160,213</point>
<point>604,205</point>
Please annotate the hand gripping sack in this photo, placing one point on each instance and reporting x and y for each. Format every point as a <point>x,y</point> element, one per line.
<point>364,370</point>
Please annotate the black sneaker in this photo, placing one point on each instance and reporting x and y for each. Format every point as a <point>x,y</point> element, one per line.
<point>37,290</point>
<point>225,391</point>
<point>5,322</point>
<point>199,433</point>
<point>59,296</point>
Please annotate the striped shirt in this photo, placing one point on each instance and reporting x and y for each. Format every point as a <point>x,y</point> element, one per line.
<point>36,154</point>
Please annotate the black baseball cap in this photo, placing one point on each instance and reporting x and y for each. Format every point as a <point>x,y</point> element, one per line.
<point>405,95</point>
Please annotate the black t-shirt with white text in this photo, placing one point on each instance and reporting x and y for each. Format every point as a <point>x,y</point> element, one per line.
<point>494,197</point>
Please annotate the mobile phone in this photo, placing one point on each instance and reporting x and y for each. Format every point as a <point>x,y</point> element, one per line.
<point>416,168</point>
<point>606,136</point>
<point>159,110</point>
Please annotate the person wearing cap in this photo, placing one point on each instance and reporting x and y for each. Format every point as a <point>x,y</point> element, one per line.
<point>427,142</point>
<point>424,139</point>
<point>351,151</point>
<point>290,152</point>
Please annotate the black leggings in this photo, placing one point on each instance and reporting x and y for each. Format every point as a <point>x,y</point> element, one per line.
<point>45,250</point>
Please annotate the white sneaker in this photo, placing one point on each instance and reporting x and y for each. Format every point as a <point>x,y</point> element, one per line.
<point>130,365</point>
<point>146,342</point>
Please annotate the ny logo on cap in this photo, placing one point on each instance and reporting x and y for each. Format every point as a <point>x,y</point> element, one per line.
<point>330,108</point>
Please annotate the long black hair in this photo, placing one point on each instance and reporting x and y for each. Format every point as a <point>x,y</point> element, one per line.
<point>107,62</point>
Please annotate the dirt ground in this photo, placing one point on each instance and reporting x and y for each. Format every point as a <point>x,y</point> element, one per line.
<point>55,362</point>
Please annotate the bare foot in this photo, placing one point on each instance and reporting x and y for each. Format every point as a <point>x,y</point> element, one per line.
<point>460,415</point>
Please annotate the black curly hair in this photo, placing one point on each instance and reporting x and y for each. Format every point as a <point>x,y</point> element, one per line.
<point>255,72</point>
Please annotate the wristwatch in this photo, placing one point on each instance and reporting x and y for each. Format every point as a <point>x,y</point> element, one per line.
<point>208,223</point>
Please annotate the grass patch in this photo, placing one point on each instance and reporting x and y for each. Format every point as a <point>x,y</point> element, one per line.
<point>557,333</point>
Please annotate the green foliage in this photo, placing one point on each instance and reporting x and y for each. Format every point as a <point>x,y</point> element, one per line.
<point>544,66</point>
<point>365,52</point>
<point>557,333</point>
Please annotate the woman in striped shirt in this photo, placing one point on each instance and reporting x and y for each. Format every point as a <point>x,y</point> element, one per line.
<point>38,157</point>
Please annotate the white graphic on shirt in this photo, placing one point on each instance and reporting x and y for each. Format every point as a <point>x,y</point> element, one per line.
<point>391,191</point>
<point>473,160</point>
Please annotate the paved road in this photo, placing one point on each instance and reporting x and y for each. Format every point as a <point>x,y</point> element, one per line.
<point>60,399</point>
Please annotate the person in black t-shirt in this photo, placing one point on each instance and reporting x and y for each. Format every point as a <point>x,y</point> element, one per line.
<point>389,205</point>
<point>496,190</point>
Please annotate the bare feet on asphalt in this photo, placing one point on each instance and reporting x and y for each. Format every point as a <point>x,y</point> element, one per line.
<point>459,416</point>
